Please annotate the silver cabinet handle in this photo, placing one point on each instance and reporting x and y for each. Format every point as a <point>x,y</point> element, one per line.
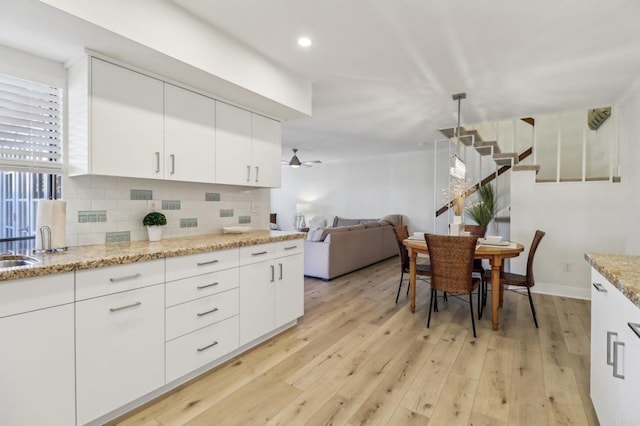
<point>173,163</point>
<point>280,270</point>
<point>599,287</point>
<point>200,287</point>
<point>157,162</point>
<point>616,373</point>
<point>257,170</point>
<point>248,173</point>
<point>259,253</point>
<point>273,273</point>
<point>204,348</point>
<point>635,327</point>
<point>209,262</point>
<point>121,308</point>
<point>201,314</point>
<point>610,334</point>
<point>291,247</point>
<point>125,278</point>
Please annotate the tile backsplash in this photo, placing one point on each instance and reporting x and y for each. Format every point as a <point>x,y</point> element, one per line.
<point>110,209</point>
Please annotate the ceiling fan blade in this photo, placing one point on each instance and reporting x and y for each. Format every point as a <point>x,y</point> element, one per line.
<point>312,162</point>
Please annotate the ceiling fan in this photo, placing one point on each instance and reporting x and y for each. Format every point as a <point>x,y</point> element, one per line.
<point>295,161</point>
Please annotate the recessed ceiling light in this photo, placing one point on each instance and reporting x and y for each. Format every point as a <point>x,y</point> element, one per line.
<point>304,41</point>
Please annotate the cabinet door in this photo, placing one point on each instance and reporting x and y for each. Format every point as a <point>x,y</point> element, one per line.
<point>630,385</point>
<point>257,307</point>
<point>266,151</point>
<point>37,368</point>
<point>289,288</point>
<point>119,349</point>
<point>189,135</point>
<point>126,122</point>
<point>233,145</point>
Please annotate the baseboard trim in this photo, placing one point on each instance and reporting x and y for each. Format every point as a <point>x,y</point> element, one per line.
<point>562,290</point>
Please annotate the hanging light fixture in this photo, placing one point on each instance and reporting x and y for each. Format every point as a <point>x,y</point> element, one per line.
<point>457,167</point>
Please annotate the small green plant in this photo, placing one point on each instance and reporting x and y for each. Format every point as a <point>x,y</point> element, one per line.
<point>485,209</point>
<point>154,219</point>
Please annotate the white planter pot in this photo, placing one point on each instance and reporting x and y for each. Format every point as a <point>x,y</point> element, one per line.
<point>154,232</point>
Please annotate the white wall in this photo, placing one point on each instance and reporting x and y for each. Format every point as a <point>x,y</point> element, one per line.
<point>368,188</point>
<point>630,169</point>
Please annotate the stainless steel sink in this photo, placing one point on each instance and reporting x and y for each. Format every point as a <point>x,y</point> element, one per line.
<point>12,260</point>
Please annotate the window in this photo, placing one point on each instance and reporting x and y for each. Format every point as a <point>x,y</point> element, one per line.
<point>30,156</point>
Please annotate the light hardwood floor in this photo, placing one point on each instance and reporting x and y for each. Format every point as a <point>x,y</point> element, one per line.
<point>358,358</point>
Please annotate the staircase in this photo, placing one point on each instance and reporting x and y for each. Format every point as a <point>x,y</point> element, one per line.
<point>506,160</point>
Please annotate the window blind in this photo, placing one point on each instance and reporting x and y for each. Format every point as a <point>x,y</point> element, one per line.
<point>30,126</point>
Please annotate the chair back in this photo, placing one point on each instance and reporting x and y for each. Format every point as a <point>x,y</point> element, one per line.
<point>402,233</point>
<point>451,262</point>
<point>532,252</point>
<point>477,231</point>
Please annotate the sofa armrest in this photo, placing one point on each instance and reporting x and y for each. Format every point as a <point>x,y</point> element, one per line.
<point>316,259</point>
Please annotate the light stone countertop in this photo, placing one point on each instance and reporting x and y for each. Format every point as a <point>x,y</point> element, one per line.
<point>100,255</point>
<point>623,271</point>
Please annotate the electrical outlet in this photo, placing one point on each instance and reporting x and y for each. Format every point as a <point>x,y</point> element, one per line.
<point>567,267</point>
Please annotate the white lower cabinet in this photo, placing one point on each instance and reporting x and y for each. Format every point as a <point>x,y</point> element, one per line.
<point>119,349</point>
<point>271,288</point>
<point>37,368</point>
<point>615,351</point>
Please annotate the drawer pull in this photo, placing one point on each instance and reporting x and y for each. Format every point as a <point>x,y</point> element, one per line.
<point>200,287</point>
<point>616,374</point>
<point>248,173</point>
<point>610,334</point>
<point>260,253</point>
<point>635,327</point>
<point>210,262</point>
<point>291,247</point>
<point>280,270</point>
<point>128,277</point>
<point>204,348</point>
<point>599,287</point>
<point>201,314</point>
<point>157,162</point>
<point>273,273</point>
<point>121,308</point>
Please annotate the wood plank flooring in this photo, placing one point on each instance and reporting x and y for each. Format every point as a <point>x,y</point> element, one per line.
<point>358,358</point>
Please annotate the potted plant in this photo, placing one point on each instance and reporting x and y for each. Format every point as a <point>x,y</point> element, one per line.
<point>483,211</point>
<point>154,222</point>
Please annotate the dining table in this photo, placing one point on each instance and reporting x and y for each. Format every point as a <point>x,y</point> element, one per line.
<point>496,254</point>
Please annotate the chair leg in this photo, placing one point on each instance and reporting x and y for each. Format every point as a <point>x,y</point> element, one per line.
<point>533,309</point>
<point>480,310</point>
<point>399,287</point>
<point>409,286</point>
<point>433,296</point>
<point>473,321</point>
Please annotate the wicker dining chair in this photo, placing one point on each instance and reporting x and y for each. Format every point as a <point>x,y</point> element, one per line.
<point>402,233</point>
<point>451,267</point>
<point>527,280</point>
<point>479,231</point>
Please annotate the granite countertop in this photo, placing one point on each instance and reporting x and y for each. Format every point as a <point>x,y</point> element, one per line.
<point>623,271</point>
<point>100,255</point>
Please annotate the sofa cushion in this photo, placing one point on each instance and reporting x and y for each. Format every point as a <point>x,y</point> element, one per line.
<point>341,221</point>
<point>317,222</point>
<point>315,234</point>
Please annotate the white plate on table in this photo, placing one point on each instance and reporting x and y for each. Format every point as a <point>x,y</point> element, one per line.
<point>415,238</point>
<point>492,242</point>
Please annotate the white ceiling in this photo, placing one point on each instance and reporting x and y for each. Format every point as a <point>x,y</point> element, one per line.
<point>383,71</point>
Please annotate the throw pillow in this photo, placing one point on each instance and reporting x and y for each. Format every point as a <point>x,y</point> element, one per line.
<point>315,234</point>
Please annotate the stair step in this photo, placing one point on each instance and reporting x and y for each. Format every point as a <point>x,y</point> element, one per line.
<point>465,135</point>
<point>523,167</point>
<point>506,158</point>
<point>487,148</point>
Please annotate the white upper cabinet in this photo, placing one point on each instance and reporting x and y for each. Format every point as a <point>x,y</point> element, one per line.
<point>233,145</point>
<point>189,135</point>
<point>248,148</point>
<point>126,122</point>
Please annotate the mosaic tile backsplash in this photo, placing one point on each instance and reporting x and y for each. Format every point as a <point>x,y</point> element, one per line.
<point>102,209</point>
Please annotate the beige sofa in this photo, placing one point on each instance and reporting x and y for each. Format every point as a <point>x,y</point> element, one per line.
<point>349,245</point>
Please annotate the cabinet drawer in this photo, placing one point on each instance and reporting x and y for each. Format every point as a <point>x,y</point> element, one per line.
<point>287,248</point>
<point>112,279</point>
<point>257,253</point>
<point>202,263</point>
<point>190,316</point>
<point>192,288</point>
<point>201,347</point>
<point>29,294</point>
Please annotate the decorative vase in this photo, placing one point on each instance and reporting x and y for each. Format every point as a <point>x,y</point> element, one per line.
<point>154,232</point>
<point>457,227</point>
